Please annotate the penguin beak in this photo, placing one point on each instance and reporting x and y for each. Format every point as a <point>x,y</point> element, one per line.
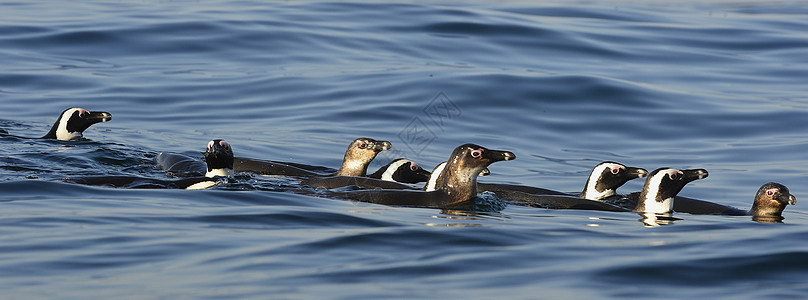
<point>787,198</point>
<point>496,155</point>
<point>637,172</point>
<point>98,117</point>
<point>694,174</point>
<point>379,146</point>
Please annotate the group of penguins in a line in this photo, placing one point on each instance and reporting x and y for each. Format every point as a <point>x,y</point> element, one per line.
<point>451,184</point>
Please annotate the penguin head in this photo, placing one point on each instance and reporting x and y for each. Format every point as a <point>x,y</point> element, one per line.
<point>359,155</point>
<point>467,162</point>
<point>607,176</point>
<point>219,158</point>
<point>73,121</point>
<point>771,199</point>
<point>402,170</point>
<point>477,158</point>
<point>661,187</point>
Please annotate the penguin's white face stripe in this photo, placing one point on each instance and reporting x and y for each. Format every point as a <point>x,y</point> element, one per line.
<point>433,179</point>
<point>591,192</point>
<point>61,132</point>
<point>651,205</point>
<point>392,168</point>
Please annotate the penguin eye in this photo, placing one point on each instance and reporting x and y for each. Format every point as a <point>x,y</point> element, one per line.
<point>363,145</point>
<point>476,153</point>
<point>769,193</point>
<point>615,170</point>
<point>674,176</point>
<point>414,167</point>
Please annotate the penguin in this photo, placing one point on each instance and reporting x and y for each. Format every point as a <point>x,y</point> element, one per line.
<point>769,202</point>
<point>402,170</point>
<point>71,124</point>
<point>218,163</point>
<point>355,163</point>
<point>602,183</point>
<point>354,168</point>
<point>456,184</point>
<point>659,192</point>
<point>660,187</point>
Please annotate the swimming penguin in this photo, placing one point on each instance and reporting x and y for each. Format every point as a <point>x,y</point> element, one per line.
<point>604,179</point>
<point>355,163</point>
<point>657,194</point>
<point>456,184</point>
<point>402,170</point>
<point>71,124</point>
<point>770,201</point>
<point>218,163</point>
<point>354,168</point>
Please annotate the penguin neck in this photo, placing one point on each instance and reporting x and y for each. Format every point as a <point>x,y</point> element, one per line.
<point>649,203</point>
<point>59,129</point>
<point>593,183</point>
<point>357,167</point>
<point>592,194</point>
<point>759,210</point>
<point>591,191</point>
<point>59,132</point>
<point>226,172</point>
<point>461,185</point>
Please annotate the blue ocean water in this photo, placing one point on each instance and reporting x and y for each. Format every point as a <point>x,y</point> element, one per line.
<point>564,85</point>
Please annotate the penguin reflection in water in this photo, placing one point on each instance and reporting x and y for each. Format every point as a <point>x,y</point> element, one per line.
<point>71,124</point>
<point>456,184</point>
<point>218,163</point>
